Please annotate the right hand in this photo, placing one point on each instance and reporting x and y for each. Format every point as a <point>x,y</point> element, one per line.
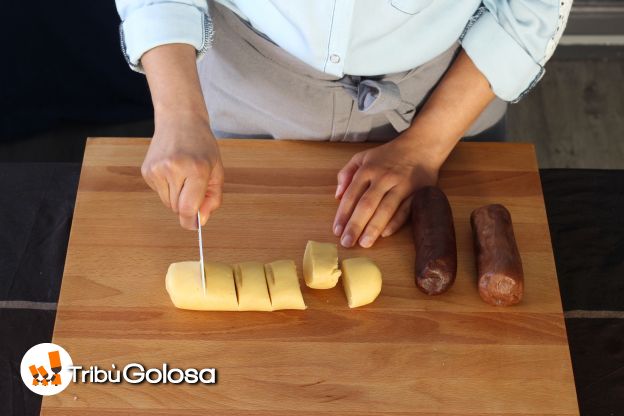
<point>183,165</point>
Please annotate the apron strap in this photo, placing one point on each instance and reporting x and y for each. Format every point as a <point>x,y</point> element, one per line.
<point>380,97</point>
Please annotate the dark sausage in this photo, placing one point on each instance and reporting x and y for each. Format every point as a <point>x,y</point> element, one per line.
<point>434,241</point>
<point>501,279</point>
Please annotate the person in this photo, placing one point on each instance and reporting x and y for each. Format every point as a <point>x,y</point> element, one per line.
<point>416,75</point>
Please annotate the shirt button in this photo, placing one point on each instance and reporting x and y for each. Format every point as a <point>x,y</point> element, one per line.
<point>334,59</point>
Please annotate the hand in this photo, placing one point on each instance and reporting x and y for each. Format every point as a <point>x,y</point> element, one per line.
<point>375,189</point>
<point>183,165</point>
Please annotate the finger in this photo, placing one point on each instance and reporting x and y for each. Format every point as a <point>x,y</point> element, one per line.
<point>364,210</point>
<point>214,194</point>
<point>383,214</point>
<point>212,201</point>
<point>191,197</point>
<point>345,176</point>
<point>160,186</point>
<point>156,183</point>
<point>175,187</point>
<point>349,199</point>
<point>400,217</point>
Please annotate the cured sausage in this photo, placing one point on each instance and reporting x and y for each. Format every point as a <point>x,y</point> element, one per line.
<point>500,275</point>
<point>434,241</point>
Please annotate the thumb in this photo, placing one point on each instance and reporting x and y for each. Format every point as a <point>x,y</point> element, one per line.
<point>212,200</point>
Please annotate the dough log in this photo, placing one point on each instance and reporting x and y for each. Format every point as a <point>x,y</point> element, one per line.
<point>283,283</point>
<point>434,241</point>
<point>361,281</point>
<point>251,286</point>
<point>320,265</point>
<point>246,288</point>
<point>185,290</point>
<point>500,275</point>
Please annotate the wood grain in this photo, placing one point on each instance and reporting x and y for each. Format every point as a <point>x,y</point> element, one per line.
<point>405,354</point>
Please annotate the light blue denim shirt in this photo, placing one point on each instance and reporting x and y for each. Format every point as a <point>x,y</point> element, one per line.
<point>508,40</point>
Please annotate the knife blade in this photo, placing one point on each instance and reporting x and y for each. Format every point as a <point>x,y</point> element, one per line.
<point>202,272</point>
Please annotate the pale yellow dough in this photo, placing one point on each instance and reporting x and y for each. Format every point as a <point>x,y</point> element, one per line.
<point>251,286</point>
<point>361,281</point>
<point>283,283</point>
<point>185,290</point>
<point>320,265</point>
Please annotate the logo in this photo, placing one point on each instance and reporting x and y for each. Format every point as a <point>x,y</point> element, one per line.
<point>46,369</point>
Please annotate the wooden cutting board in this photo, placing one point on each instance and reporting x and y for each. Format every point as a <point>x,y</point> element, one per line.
<point>404,354</point>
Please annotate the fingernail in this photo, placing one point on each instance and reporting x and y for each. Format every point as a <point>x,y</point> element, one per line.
<point>366,241</point>
<point>386,233</point>
<point>346,241</point>
<point>338,230</point>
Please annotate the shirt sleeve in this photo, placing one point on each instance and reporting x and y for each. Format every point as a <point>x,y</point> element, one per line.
<point>511,40</point>
<point>146,24</point>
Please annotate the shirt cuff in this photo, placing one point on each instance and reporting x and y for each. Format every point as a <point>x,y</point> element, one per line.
<point>509,69</point>
<point>161,24</point>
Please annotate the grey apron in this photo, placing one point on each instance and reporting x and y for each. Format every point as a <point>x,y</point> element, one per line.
<point>254,88</point>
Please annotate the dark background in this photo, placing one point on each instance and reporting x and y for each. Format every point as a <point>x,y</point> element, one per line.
<point>62,66</point>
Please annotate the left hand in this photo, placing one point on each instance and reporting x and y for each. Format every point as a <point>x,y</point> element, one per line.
<point>375,189</point>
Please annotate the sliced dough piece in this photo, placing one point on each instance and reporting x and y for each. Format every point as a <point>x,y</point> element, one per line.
<point>361,281</point>
<point>185,290</point>
<point>320,265</point>
<point>281,277</point>
<point>251,287</point>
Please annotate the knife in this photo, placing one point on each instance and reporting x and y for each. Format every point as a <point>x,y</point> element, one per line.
<point>201,255</point>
